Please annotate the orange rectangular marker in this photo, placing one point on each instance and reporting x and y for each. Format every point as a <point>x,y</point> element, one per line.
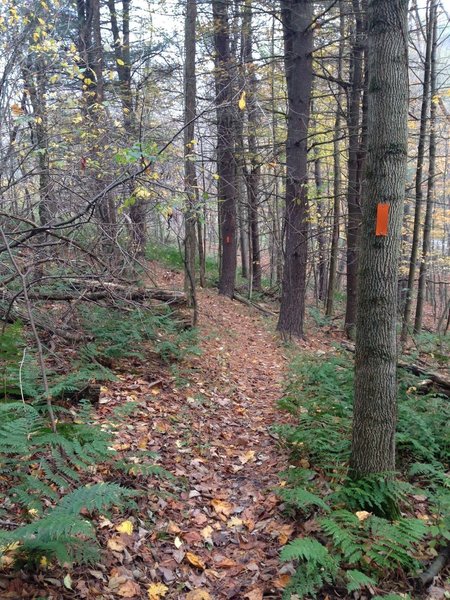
<point>382,220</point>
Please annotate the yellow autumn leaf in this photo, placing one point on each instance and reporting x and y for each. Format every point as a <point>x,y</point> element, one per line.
<point>242,103</point>
<point>125,527</point>
<point>362,515</point>
<point>207,532</point>
<point>120,62</point>
<point>195,560</point>
<point>222,507</point>
<point>43,563</point>
<point>157,591</point>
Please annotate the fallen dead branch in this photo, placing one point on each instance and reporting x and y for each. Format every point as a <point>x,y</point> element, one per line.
<point>426,578</point>
<point>435,379</point>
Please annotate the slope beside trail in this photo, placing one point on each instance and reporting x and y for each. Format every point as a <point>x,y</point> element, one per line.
<point>223,534</point>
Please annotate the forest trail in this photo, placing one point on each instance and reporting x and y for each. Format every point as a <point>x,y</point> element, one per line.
<point>221,537</point>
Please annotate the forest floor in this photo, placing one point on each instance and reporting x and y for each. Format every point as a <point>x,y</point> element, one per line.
<point>216,530</point>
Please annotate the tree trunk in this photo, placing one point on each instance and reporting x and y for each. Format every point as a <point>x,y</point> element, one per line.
<point>190,176</point>
<point>298,42</point>
<point>354,174</point>
<point>418,183</point>
<point>122,55</point>
<point>373,444</point>
<point>431,174</point>
<point>321,263</point>
<point>253,172</point>
<point>226,168</point>
<point>337,179</point>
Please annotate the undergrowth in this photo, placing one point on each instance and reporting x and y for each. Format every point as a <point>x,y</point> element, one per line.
<point>351,548</point>
<point>51,482</point>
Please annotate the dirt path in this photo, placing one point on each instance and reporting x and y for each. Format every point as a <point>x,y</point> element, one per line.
<point>223,535</point>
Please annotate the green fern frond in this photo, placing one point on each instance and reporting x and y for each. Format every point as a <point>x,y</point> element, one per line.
<point>358,580</point>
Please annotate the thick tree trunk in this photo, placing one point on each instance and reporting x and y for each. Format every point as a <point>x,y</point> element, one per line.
<point>354,174</point>
<point>226,167</point>
<point>431,175</point>
<point>298,41</point>
<point>373,444</point>
<point>418,182</point>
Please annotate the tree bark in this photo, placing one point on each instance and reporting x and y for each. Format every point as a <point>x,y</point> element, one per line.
<point>354,174</point>
<point>190,175</point>
<point>431,174</point>
<point>418,183</point>
<point>374,422</point>
<point>298,43</point>
<point>226,168</point>
<point>253,172</point>
<point>337,179</point>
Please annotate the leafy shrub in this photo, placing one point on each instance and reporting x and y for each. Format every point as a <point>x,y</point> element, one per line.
<point>356,547</point>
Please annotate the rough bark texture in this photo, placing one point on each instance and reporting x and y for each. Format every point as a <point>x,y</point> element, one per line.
<point>373,445</point>
<point>226,168</point>
<point>354,173</point>
<point>298,41</point>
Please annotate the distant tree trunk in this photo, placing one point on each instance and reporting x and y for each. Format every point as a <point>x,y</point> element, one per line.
<point>253,172</point>
<point>35,83</point>
<point>226,168</point>
<point>337,179</point>
<point>419,180</point>
<point>373,444</point>
<point>321,263</point>
<point>122,55</point>
<point>354,174</point>
<point>431,174</point>
<point>90,50</point>
<point>190,176</point>
<point>298,42</point>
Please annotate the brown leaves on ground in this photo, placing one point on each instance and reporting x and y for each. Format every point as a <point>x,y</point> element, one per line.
<point>217,532</point>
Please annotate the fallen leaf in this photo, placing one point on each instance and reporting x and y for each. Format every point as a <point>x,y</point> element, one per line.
<point>68,581</point>
<point>281,582</point>
<point>125,527</point>
<point>222,507</point>
<point>116,543</point>
<point>226,563</point>
<point>256,594</point>
<point>362,515</point>
<point>173,528</point>
<point>157,591</point>
<point>195,560</point>
<point>207,532</point>
<point>235,522</point>
<point>129,589</point>
<point>247,457</point>
<point>198,594</point>
<point>284,533</point>
<point>178,543</point>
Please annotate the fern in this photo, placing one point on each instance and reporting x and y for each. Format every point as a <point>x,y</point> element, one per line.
<point>302,499</point>
<point>358,580</point>
<point>316,567</point>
